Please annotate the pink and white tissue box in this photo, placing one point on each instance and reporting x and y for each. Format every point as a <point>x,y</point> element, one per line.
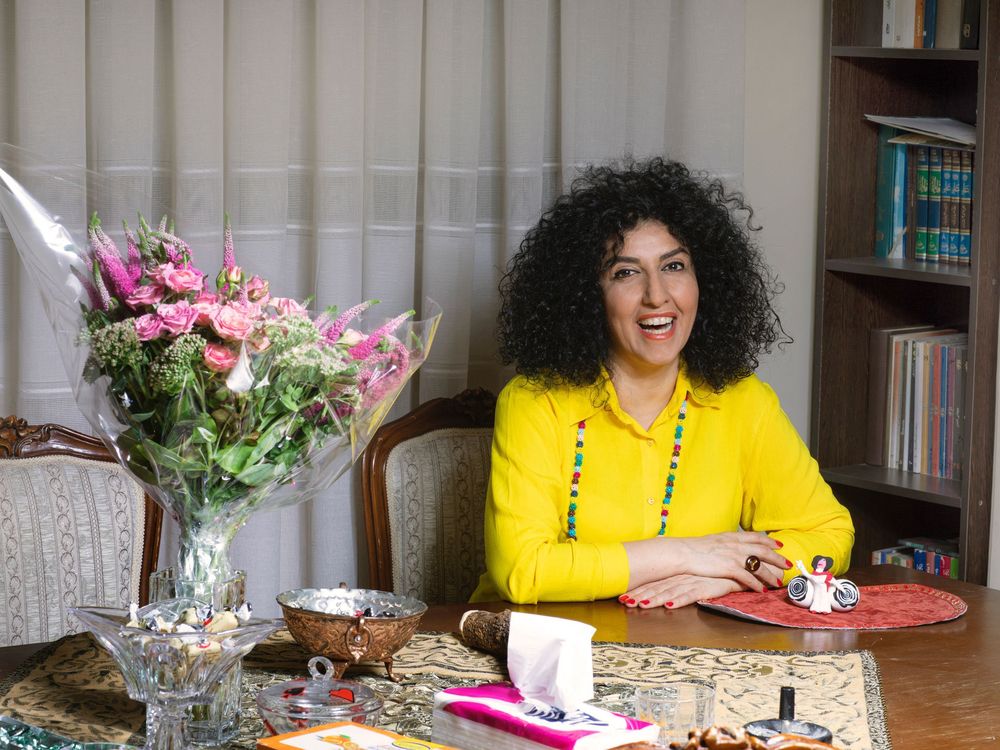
<point>495,716</point>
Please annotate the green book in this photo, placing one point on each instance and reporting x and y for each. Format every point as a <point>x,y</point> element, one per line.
<point>923,195</point>
<point>933,203</point>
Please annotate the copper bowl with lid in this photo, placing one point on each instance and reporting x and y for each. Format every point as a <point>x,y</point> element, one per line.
<point>349,626</point>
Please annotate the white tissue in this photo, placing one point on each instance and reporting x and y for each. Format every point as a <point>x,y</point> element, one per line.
<point>549,659</point>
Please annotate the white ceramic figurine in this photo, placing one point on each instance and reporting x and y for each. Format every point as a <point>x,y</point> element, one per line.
<point>820,591</point>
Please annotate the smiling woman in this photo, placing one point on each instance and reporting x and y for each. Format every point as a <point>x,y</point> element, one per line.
<point>635,311</point>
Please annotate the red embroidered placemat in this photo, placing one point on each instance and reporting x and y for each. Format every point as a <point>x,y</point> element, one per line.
<point>898,605</point>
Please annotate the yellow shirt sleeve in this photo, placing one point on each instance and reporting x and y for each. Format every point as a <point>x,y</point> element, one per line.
<point>788,497</point>
<point>528,558</point>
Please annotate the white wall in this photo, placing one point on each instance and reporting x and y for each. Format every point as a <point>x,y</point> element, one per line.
<point>781,174</point>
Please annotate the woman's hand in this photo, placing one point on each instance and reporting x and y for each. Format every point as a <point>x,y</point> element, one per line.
<point>720,556</point>
<point>678,591</point>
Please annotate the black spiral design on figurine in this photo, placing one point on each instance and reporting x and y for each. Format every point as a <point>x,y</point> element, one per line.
<point>799,591</point>
<point>846,596</point>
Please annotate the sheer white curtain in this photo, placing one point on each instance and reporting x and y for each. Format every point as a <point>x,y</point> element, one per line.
<point>394,149</point>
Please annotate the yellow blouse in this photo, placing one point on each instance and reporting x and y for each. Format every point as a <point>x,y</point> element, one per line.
<point>742,465</point>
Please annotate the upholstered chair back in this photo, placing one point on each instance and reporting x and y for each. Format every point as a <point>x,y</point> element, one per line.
<point>75,529</point>
<point>424,481</point>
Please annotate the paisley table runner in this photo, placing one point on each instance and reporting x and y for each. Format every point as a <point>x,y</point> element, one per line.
<point>73,688</point>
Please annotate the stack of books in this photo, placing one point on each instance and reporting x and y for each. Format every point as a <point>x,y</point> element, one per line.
<point>924,187</point>
<point>931,24</point>
<point>937,556</point>
<point>916,392</point>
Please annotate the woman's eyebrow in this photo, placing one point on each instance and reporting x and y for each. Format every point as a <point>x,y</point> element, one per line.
<point>665,256</point>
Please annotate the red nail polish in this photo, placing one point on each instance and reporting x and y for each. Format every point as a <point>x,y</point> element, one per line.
<point>631,601</point>
<point>778,542</point>
<point>788,563</point>
<point>623,598</point>
<point>669,604</point>
<point>781,583</point>
<point>644,601</point>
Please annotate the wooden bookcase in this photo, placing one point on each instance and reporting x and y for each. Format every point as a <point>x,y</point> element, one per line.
<point>856,292</point>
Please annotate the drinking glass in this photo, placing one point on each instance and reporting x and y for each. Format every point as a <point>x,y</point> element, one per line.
<point>676,708</point>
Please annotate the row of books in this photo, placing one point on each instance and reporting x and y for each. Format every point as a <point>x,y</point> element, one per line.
<point>930,24</point>
<point>937,556</point>
<point>916,392</point>
<point>923,198</point>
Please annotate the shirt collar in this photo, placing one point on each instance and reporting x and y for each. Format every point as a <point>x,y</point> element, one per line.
<point>583,402</point>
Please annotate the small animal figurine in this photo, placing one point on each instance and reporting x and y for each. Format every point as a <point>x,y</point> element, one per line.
<point>820,591</point>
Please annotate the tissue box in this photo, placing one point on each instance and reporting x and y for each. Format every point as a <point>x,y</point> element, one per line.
<point>347,735</point>
<point>496,717</point>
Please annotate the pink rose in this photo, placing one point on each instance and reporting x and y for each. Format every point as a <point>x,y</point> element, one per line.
<point>218,358</point>
<point>260,343</point>
<point>206,303</point>
<point>184,279</point>
<point>231,323</point>
<point>258,290</point>
<point>148,327</point>
<point>351,337</point>
<point>287,306</point>
<point>159,274</point>
<point>179,318</point>
<point>147,295</point>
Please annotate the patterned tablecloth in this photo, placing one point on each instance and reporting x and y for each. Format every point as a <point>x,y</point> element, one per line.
<point>74,689</point>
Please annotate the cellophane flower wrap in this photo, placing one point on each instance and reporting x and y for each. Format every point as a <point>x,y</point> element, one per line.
<point>220,397</point>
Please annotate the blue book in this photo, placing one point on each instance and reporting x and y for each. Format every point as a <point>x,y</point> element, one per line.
<point>884,171</point>
<point>923,194</point>
<point>944,246</point>
<point>898,244</point>
<point>965,209</point>
<point>930,24</point>
<point>933,203</point>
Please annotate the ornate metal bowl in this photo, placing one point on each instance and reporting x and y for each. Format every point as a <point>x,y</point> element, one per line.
<point>349,626</point>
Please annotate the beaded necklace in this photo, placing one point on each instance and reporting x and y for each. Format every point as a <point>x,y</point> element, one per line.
<point>668,492</point>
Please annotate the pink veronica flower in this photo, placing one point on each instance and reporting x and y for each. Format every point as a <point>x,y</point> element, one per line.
<point>177,318</point>
<point>332,334</point>
<point>147,295</point>
<point>148,326</point>
<point>232,324</point>
<point>367,347</point>
<point>184,279</point>
<point>219,358</point>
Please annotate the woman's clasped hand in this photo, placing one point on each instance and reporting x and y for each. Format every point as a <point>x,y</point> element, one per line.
<point>636,455</point>
<point>712,566</point>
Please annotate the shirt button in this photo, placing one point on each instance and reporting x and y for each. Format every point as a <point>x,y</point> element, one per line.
<point>650,500</point>
<point>650,442</point>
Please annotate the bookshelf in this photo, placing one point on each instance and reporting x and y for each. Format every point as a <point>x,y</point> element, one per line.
<point>856,292</point>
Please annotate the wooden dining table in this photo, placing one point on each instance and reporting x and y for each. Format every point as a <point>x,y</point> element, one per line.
<point>940,683</point>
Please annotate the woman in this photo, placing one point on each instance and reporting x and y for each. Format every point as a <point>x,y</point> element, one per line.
<point>636,441</point>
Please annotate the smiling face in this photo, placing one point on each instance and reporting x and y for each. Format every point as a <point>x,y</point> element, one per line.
<point>651,299</point>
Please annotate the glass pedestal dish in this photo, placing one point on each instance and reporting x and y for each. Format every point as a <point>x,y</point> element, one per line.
<point>170,672</point>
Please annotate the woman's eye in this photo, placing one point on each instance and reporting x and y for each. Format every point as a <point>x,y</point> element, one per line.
<point>675,265</point>
<point>622,273</point>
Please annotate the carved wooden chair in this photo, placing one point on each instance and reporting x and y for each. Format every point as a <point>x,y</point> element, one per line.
<point>75,529</point>
<point>424,484</point>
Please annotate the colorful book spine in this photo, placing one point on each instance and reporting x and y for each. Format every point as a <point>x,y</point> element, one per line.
<point>944,243</point>
<point>885,168</point>
<point>930,24</point>
<point>950,416</point>
<point>898,245</point>
<point>923,194</point>
<point>888,22</point>
<point>934,410</point>
<point>933,203</point>
<point>942,425</point>
<point>955,207</point>
<point>965,209</point>
<point>958,455</point>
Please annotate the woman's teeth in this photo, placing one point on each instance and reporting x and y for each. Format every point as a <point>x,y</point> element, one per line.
<point>658,325</point>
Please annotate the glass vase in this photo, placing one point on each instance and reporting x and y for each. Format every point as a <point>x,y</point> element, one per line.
<point>170,672</point>
<point>217,722</point>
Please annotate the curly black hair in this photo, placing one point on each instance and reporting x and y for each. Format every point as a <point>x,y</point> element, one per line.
<point>552,322</point>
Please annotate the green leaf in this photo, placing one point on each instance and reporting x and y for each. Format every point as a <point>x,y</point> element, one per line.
<point>168,459</point>
<point>257,475</point>
<point>271,437</point>
<point>234,458</point>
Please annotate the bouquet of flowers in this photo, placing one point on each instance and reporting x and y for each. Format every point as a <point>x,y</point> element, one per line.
<point>219,398</point>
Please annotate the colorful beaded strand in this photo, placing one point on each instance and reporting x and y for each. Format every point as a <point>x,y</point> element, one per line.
<point>574,488</point>
<point>674,461</point>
